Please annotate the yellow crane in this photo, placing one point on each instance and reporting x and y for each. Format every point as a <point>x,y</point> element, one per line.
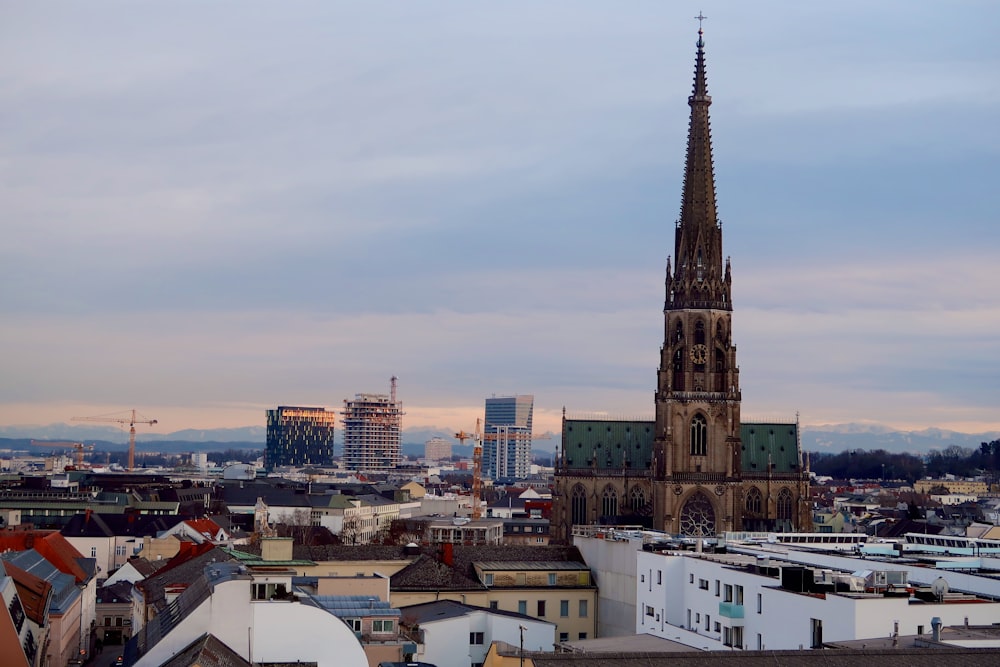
<point>133,419</point>
<point>78,446</point>
<point>477,467</point>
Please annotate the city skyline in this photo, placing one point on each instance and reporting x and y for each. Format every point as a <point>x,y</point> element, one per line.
<point>213,213</point>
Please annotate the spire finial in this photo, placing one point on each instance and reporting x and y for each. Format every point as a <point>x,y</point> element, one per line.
<point>701,42</point>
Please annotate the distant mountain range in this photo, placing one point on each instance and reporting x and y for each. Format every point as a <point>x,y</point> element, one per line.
<point>825,438</point>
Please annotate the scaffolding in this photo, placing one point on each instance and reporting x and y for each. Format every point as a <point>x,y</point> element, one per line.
<point>373,426</point>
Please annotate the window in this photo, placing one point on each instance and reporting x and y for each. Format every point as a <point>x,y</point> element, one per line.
<point>609,501</point>
<point>583,609</point>
<point>708,622</point>
<point>564,608</point>
<point>118,621</point>
<point>93,552</point>
<point>738,636</point>
<point>717,626</point>
<point>494,604</point>
<point>659,577</point>
<point>107,621</point>
<point>703,584</point>
<point>354,623</point>
<point>716,588</point>
<point>522,607</point>
<point>583,635</point>
<point>642,578</point>
<point>578,505</point>
<point>120,550</point>
<point>690,578</point>
<point>564,636</point>
<point>541,608</point>
<point>699,436</point>
<point>379,625</point>
<point>540,529</point>
<point>649,610</point>
<point>760,642</point>
<point>476,638</point>
<point>728,597</point>
<point>539,540</point>
<point>760,603</point>
<point>552,578</point>
<point>784,505</point>
<point>488,578</point>
<point>739,595</point>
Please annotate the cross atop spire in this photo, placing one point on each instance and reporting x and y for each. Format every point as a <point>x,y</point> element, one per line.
<point>701,17</point>
<point>701,41</point>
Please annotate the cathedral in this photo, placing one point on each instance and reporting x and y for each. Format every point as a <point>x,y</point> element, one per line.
<point>697,469</point>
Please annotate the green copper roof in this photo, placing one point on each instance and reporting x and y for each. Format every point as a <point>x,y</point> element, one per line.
<point>593,443</point>
<point>777,442</point>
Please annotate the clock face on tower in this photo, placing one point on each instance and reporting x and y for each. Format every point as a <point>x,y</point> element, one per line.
<point>699,353</point>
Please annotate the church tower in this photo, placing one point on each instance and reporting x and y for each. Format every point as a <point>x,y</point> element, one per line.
<point>697,469</point>
<point>696,460</point>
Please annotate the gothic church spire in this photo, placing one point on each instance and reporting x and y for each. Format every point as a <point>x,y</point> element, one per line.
<point>699,279</point>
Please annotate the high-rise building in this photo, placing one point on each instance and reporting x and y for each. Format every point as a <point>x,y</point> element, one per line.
<point>437,449</point>
<point>507,436</point>
<point>298,436</point>
<point>697,469</point>
<point>373,426</point>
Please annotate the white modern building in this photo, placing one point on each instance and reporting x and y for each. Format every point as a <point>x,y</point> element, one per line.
<point>445,625</point>
<point>770,600</point>
<point>251,616</point>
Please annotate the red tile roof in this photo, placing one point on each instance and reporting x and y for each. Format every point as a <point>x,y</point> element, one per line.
<point>33,591</point>
<point>205,526</point>
<point>51,545</point>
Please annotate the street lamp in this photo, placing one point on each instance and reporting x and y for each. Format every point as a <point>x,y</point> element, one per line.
<point>520,653</point>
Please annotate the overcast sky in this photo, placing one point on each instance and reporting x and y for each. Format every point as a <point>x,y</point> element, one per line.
<point>212,208</point>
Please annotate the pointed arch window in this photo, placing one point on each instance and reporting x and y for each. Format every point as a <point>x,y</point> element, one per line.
<point>699,436</point>
<point>637,499</point>
<point>609,502</point>
<point>699,332</point>
<point>578,505</point>
<point>784,508</point>
<point>679,332</point>
<point>754,501</point>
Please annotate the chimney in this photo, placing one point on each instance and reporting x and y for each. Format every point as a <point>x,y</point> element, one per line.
<point>936,627</point>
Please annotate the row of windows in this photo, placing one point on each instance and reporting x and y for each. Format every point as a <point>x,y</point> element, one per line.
<point>379,625</point>
<point>564,606</point>
<point>729,592</point>
<point>488,578</point>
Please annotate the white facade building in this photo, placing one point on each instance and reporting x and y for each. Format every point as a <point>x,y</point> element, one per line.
<point>448,627</point>
<point>237,610</point>
<point>739,601</point>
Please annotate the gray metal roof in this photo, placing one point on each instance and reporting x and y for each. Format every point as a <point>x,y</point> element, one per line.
<point>528,565</point>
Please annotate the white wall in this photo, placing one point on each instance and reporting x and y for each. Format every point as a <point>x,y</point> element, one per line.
<point>785,617</point>
<point>446,642</point>
<point>613,563</point>
<point>281,631</point>
<point>105,551</point>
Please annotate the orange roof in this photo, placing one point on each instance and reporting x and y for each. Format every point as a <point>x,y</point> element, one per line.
<point>33,591</point>
<point>51,545</point>
<point>204,527</point>
<point>10,645</point>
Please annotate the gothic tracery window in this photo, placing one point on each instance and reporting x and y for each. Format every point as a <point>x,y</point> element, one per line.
<point>637,499</point>
<point>754,501</point>
<point>609,502</point>
<point>784,508</point>
<point>578,505</point>
<point>697,518</point>
<point>699,436</point>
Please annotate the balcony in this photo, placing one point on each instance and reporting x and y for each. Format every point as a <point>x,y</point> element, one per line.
<point>730,610</point>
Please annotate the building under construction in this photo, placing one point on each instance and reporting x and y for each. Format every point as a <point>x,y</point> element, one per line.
<point>373,426</point>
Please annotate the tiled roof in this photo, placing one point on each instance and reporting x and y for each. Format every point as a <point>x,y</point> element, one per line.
<point>52,546</point>
<point>181,570</point>
<point>34,591</point>
<point>205,527</point>
<point>64,588</point>
<point>107,525</point>
<point>428,572</point>
<point>207,651</point>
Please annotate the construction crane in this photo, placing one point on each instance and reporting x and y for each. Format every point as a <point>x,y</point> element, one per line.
<point>78,446</point>
<point>477,467</point>
<point>133,419</point>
